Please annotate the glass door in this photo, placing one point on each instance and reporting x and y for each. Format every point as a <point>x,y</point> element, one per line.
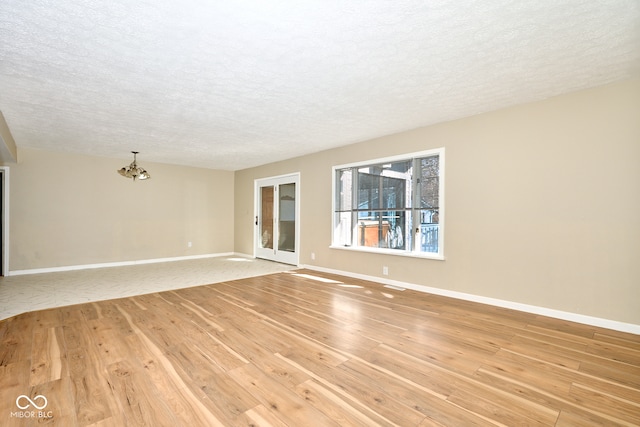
<point>276,236</point>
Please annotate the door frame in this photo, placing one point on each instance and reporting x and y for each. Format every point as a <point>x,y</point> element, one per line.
<point>4,220</point>
<point>279,256</point>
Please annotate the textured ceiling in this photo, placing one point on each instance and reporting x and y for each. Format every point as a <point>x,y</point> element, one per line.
<point>234,84</point>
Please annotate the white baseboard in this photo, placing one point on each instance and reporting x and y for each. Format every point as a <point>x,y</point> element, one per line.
<point>557,314</point>
<point>114,264</point>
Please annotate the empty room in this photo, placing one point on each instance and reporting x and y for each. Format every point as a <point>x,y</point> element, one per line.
<point>318,213</point>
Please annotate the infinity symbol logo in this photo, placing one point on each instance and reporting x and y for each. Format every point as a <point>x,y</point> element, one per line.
<point>31,402</point>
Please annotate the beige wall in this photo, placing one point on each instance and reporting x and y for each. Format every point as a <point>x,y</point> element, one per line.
<point>8,149</point>
<point>70,210</point>
<point>542,204</point>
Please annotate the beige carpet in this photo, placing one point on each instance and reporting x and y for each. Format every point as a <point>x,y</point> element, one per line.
<point>19,294</point>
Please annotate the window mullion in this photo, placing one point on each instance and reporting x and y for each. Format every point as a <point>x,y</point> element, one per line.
<point>380,207</point>
<point>415,206</point>
<point>354,206</point>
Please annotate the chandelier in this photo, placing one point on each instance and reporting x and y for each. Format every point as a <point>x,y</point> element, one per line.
<point>133,171</point>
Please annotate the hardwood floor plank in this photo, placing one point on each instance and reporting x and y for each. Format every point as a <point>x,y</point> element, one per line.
<point>230,398</point>
<point>572,419</point>
<point>284,403</point>
<point>618,353</point>
<point>336,407</point>
<point>260,416</point>
<point>496,407</point>
<point>536,372</point>
<point>131,388</point>
<point>579,358</point>
<point>440,353</point>
<point>559,327</point>
<point>186,404</point>
<point>621,373</point>
<point>420,371</point>
<point>111,345</point>
<point>47,318</point>
<point>306,348</point>
<point>337,338</point>
<point>16,341</point>
<point>546,351</point>
<point>565,403</point>
<point>604,403</point>
<point>14,376</point>
<point>58,411</point>
<point>561,335</point>
<point>336,389</point>
<point>87,377</point>
<point>393,399</point>
<point>46,363</point>
<point>107,312</point>
<point>441,381</point>
<point>615,337</point>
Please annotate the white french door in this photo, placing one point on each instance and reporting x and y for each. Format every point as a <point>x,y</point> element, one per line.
<point>276,218</point>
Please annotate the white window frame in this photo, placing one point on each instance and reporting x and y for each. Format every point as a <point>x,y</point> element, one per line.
<point>412,252</point>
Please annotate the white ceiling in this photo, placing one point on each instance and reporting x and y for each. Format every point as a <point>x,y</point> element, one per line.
<point>234,84</point>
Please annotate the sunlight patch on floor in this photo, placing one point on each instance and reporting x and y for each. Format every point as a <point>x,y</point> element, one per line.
<point>312,277</point>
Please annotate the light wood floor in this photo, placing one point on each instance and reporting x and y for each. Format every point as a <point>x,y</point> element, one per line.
<point>290,350</point>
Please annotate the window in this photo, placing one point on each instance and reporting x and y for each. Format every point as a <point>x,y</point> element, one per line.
<point>391,205</point>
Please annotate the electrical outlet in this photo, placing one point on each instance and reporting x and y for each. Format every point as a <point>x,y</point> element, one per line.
<point>189,244</point>
<point>313,255</point>
<point>385,270</point>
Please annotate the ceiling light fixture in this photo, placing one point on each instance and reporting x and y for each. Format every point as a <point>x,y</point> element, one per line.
<point>133,171</point>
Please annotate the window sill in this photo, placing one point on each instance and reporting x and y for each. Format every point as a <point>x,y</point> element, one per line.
<point>379,251</point>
